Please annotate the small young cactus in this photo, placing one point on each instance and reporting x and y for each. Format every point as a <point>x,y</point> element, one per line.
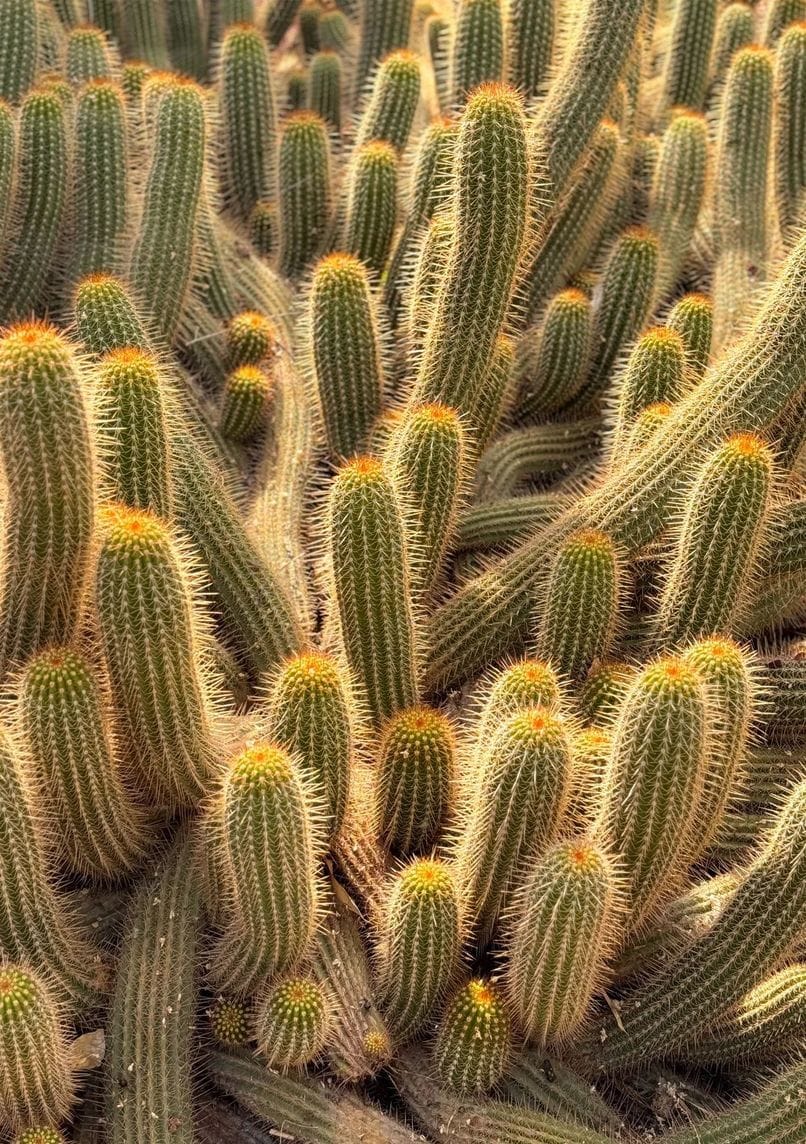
<point>655,373</point>
<point>251,339</point>
<point>416,779</point>
<point>692,317</point>
<point>35,1079</point>
<point>564,926</point>
<point>419,943</point>
<point>581,604</point>
<point>473,1039</point>
<point>266,828</point>
<point>524,683</point>
<point>291,1022</point>
<point>230,1022</point>
<point>247,391</point>
<point>88,55</point>
<point>310,713</point>
<point>366,537</point>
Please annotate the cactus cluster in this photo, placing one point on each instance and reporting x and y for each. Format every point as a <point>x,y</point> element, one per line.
<point>402,571</point>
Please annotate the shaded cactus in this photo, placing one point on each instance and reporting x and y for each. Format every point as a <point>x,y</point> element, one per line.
<point>88,55</point>
<point>555,369</point>
<point>371,204</point>
<point>531,28</point>
<point>473,1039</point>
<point>563,929</point>
<point>304,191</point>
<point>18,53</point>
<point>310,713</point>
<point>385,29</point>
<point>230,1022</point>
<point>101,193</point>
<point>326,82</point>
<point>392,103</point>
<point>692,317</point>
<point>291,1022</point>
<point>789,135</point>
<point>246,395</point>
<point>582,597</point>
<point>685,78</point>
<point>248,119</point>
<point>677,193</point>
<point>416,779</point>
<point>478,46</point>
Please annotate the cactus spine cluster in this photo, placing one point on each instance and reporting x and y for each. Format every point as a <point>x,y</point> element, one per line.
<point>402,563</point>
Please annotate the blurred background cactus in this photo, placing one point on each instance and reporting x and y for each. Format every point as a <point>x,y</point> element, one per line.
<point>403,571</point>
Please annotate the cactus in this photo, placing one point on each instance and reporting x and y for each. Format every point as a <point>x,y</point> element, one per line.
<point>248,119</point>
<point>727,503</point>
<point>229,1022</point>
<point>49,461</point>
<point>326,88</point>
<point>264,809</point>
<point>383,30</point>
<point>692,317</point>
<point>366,538</point>
<point>701,985</point>
<point>531,37</point>
<point>478,46</point>
<point>735,29</point>
<point>581,606</point>
<point>154,647</point>
<point>310,713</point>
<point>779,15</point>
<point>419,943</point>
<point>64,722</point>
<point>654,782</point>
<point>677,193</point>
<point>36,1082</point>
<point>162,259</point>
<point>88,55</point>
<point>153,1011</point>
<point>18,51</point>
<point>42,149</point>
<point>371,204</point>
<point>741,228</point>
<point>392,104</point>
<point>473,1039</point>
<point>40,1136</point>
<point>789,137</point>
<point>416,779</point>
<point>655,373</point>
<point>514,804</point>
<point>304,191</point>
<point>100,202</point>
<point>495,523</point>
<point>685,79</point>
<point>291,1022</point>
<point>247,391</point>
<point>563,929</point>
<point>345,351</point>
<point>428,452</point>
<point>474,294</point>
<point>556,367</point>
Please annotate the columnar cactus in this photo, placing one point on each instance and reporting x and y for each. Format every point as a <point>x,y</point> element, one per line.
<point>416,779</point>
<point>473,1038</point>
<point>304,191</point>
<point>248,119</point>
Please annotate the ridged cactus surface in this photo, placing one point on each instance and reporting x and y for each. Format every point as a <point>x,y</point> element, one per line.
<point>402,571</point>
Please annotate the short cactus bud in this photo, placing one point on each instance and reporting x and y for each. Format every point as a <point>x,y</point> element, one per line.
<point>581,603</point>
<point>40,1136</point>
<point>247,391</point>
<point>555,368</point>
<point>291,1022</point>
<point>230,1022</point>
<point>524,683</point>
<point>563,929</point>
<point>415,780</point>
<point>251,339</point>
<point>473,1038</point>
<point>419,943</point>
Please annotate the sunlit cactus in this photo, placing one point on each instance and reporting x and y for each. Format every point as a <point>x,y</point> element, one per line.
<point>230,1023</point>
<point>390,110</point>
<point>35,1080</point>
<point>692,317</point>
